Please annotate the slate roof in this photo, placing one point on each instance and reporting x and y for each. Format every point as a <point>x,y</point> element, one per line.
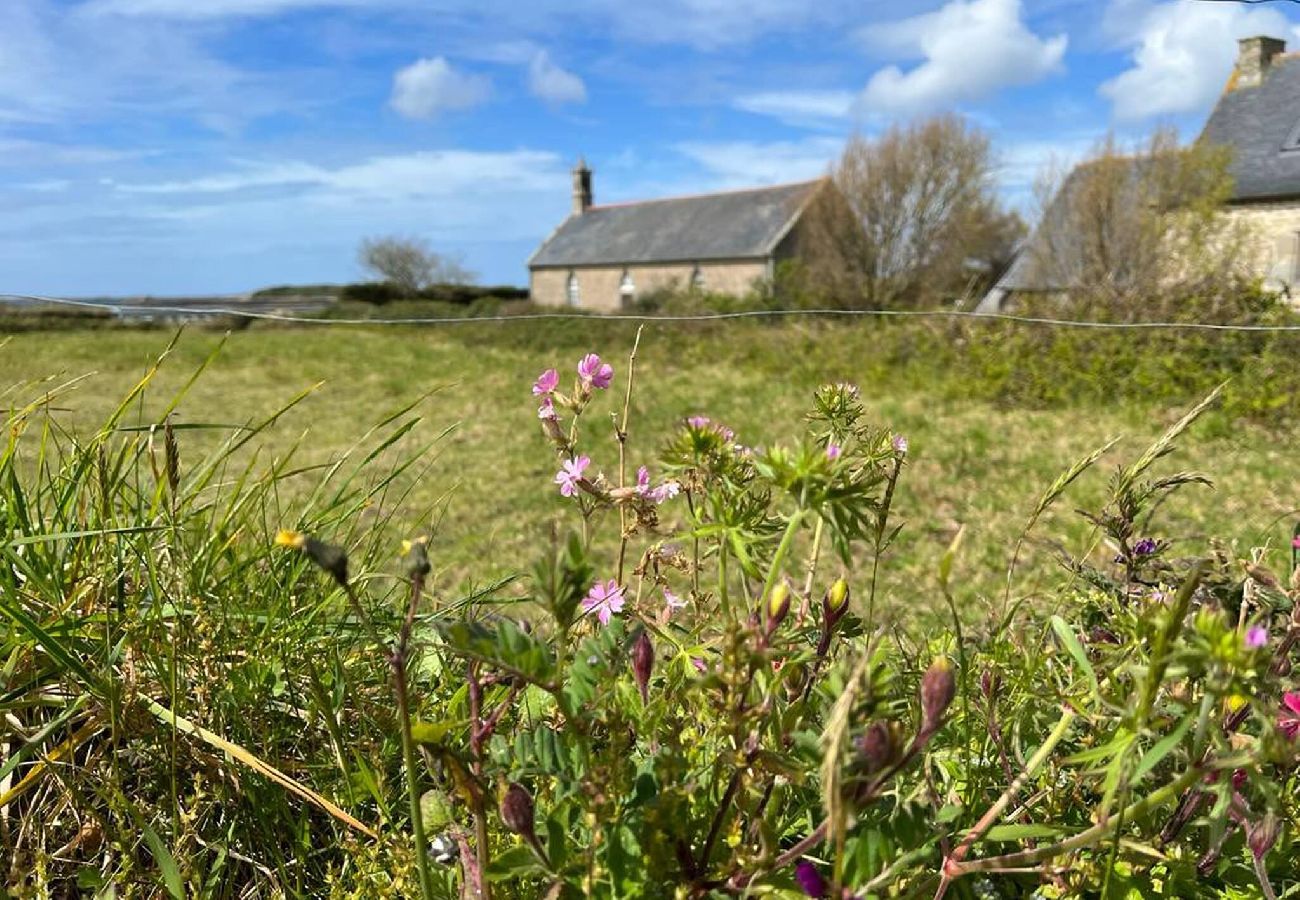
<point>1258,123</point>
<point>734,225</point>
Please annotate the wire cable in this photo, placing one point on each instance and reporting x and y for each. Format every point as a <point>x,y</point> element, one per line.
<point>215,311</point>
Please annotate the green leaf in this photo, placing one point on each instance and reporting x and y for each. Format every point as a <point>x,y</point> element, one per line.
<point>513,863</point>
<point>171,873</point>
<point>1163,747</point>
<point>1075,649</point>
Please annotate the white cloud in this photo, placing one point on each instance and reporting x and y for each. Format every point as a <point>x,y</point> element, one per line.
<point>411,175</point>
<point>552,83</point>
<point>749,163</point>
<point>970,49</point>
<point>1182,53</point>
<point>430,86</point>
<point>801,107</point>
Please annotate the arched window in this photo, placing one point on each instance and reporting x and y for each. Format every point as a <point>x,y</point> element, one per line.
<point>697,279</point>
<point>573,292</point>
<point>626,289</point>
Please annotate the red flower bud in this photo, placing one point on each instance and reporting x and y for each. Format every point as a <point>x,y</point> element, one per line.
<point>938,687</point>
<point>990,683</point>
<point>643,663</point>
<point>877,747</point>
<point>1263,835</point>
<point>517,811</point>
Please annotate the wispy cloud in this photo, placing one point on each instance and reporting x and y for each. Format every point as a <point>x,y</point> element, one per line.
<point>749,163</point>
<point>801,107</point>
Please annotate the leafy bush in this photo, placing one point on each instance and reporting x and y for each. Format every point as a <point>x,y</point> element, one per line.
<point>713,708</point>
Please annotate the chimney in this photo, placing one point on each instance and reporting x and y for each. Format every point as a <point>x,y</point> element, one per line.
<point>581,187</point>
<point>1255,56</point>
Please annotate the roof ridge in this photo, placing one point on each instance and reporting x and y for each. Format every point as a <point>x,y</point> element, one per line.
<point>705,194</point>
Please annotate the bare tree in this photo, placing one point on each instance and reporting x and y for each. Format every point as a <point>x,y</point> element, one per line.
<point>1130,232</point>
<point>914,215</point>
<point>411,264</point>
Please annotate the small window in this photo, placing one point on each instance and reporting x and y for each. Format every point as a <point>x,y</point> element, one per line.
<point>626,290</point>
<point>1292,142</point>
<point>697,279</point>
<point>574,293</point>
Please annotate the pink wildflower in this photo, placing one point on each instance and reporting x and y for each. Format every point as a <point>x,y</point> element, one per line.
<point>604,600</point>
<point>595,373</point>
<point>1288,720</point>
<point>672,601</point>
<point>546,382</point>
<point>1256,637</point>
<point>833,451</point>
<point>547,409</point>
<point>900,445</point>
<point>666,491</point>
<point>727,433</point>
<point>700,665</point>
<point>643,481</point>
<point>698,421</point>
<point>569,476</point>
<point>1295,542</point>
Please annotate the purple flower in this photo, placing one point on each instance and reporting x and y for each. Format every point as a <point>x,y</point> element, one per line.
<point>1144,547</point>
<point>833,451</point>
<point>666,491</point>
<point>848,388</point>
<point>1256,637</point>
<point>812,882</point>
<point>672,601</point>
<point>700,665</point>
<point>595,373</point>
<point>547,409</point>
<point>698,421</point>
<point>900,445</point>
<point>604,600</point>
<point>569,476</point>
<point>643,481</point>
<point>546,382</point>
<point>727,433</point>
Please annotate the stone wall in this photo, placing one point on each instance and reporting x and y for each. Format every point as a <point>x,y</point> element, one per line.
<point>598,286</point>
<point>1273,242</point>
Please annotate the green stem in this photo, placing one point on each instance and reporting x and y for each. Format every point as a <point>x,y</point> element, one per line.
<point>412,779</point>
<point>782,549</point>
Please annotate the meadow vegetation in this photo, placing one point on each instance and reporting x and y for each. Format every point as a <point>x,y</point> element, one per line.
<point>852,630</point>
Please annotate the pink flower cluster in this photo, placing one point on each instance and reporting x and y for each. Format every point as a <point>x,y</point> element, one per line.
<point>703,422</point>
<point>658,494</point>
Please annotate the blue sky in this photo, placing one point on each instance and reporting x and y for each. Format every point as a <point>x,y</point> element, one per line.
<point>177,146</point>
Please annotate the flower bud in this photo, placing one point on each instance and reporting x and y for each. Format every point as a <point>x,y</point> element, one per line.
<point>810,880</point>
<point>1263,835</point>
<point>990,683</point>
<point>328,557</point>
<point>877,747</point>
<point>938,687</point>
<point>551,428</point>
<point>778,606</point>
<point>517,811</point>
<point>415,558</point>
<point>835,603</point>
<point>643,663</point>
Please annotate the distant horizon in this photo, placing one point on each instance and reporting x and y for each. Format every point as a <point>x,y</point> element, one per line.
<point>170,148</point>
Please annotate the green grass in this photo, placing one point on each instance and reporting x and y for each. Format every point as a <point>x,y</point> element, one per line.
<point>971,463</point>
<point>137,613</point>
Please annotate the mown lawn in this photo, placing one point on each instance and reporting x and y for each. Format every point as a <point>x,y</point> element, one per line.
<point>488,491</point>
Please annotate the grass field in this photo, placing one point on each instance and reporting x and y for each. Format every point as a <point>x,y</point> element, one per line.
<point>489,483</point>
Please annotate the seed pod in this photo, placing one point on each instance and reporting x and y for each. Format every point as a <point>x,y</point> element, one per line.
<point>938,687</point>
<point>835,603</point>
<point>517,811</point>
<point>778,606</point>
<point>643,663</point>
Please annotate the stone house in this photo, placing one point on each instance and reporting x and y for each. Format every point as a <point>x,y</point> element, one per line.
<point>1258,119</point>
<point>602,257</point>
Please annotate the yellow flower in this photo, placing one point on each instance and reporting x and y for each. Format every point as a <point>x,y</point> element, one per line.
<point>293,539</point>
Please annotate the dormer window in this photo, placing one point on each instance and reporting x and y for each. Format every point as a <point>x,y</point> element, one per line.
<point>1292,142</point>
<point>572,291</point>
<point>626,290</point>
